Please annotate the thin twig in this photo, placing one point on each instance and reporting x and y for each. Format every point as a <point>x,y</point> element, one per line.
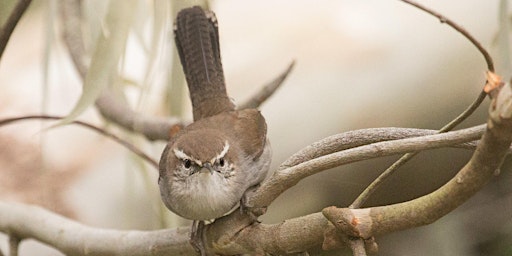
<point>124,143</point>
<point>365,195</point>
<point>10,24</point>
<point>266,91</point>
<point>460,29</point>
<point>487,158</point>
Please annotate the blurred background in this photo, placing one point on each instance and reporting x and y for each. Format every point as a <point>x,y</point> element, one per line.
<point>359,64</point>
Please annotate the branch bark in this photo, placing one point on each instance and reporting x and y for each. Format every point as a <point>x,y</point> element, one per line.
<point>236,234</point>
<point>73,238</point>
<point>283,179</point>
<point>485,162</point>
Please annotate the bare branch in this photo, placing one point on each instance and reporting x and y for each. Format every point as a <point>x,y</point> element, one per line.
<point>235,233</point>
<point>365,195</point>
<point>267,90</point>
<point>465,33</point>
<point>10,24</point>
<point>153,128</point>
<point>487,158</point>
<point>370,189</point>
<point>286,178</point>
<point>73,238</point>
<point>112,136</point>
<point>351,139</point>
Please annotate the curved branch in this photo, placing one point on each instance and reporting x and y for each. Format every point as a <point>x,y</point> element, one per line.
<point>10,24</point>
<point>286,178</point>
<point>465,33</point>
<point>486,160</point>
<point>124,143</point>
<point>73,238</point>
<point>235,233</point>
<point>351,139</point>
<point>361,199</point>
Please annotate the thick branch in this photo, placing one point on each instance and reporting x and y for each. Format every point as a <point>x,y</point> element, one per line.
<point>464,32</point>
<point>72,238</point>
<point>352,139</point>
<point>152,127</point>
<point>486,159</point>
<point>233,233</point>
<point>283,179</point>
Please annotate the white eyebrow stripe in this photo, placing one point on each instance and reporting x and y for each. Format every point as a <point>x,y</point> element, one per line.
<point>224,150</point>
<point>222,153</point>
<point>181,155</point>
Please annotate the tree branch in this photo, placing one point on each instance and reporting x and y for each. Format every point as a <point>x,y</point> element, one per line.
<point>72,238</point>
<point>237,234</point>
<point>365,195</point>
<point>487,158</point>
<point>283,179</point>
<point>460,29</point>
<point>10,24</point>
<point>352,139</point>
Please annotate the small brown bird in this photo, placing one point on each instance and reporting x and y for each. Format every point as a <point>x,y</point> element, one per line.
<point>208,167</point>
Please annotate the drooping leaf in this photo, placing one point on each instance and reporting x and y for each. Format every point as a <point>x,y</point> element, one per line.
<point>107,53</point>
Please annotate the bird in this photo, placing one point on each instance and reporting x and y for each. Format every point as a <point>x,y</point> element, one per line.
<point>209,167</point>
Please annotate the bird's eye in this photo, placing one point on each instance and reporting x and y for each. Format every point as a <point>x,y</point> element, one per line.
<point>222,162</point>
<point>187,163</point>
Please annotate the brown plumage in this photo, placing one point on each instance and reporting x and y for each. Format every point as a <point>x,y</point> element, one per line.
<point>197,41</point>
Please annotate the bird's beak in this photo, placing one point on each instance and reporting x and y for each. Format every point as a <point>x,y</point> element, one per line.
<point>209,167</point>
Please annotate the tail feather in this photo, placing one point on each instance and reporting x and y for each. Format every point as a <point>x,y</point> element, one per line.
<point>197,41</point>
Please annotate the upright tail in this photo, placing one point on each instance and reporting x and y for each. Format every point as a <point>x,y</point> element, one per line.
<point>197,40</point>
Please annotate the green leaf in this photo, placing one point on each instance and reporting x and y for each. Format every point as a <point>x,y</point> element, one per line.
<point>107,53</point>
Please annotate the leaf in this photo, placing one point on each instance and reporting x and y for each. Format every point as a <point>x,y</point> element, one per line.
<point>108,50</point>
